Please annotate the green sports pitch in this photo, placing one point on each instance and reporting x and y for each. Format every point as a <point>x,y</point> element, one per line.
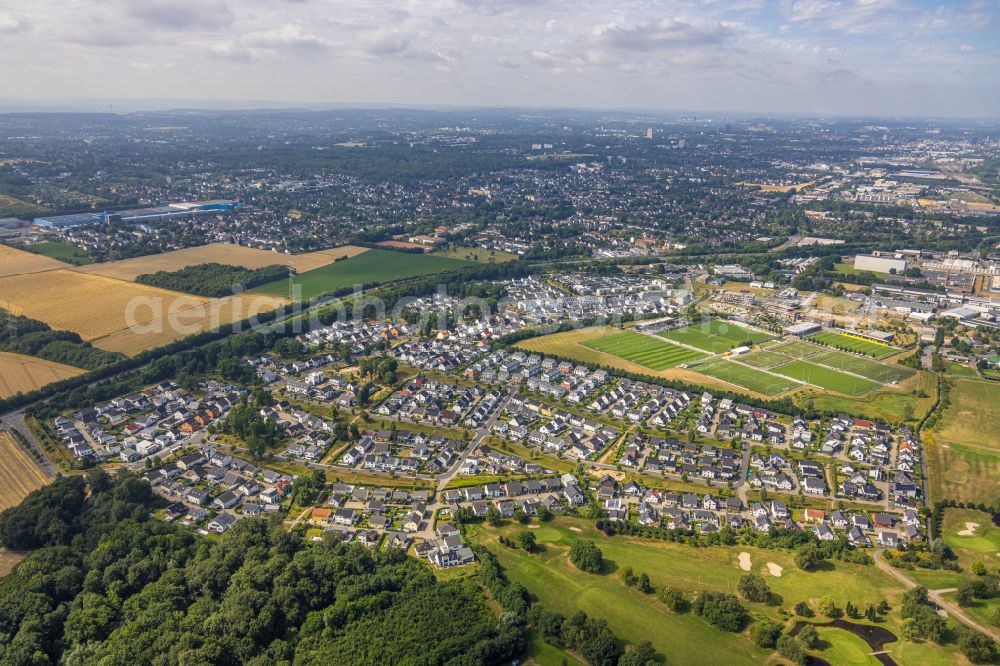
<point>644,350</point>
<point>715,335</point>
<point>852,344</point>
<point>748,378</point>
<point>879,372</point>
<point>826,378</point>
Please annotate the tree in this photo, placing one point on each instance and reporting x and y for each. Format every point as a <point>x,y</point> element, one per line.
<point>628,576</point>
<point>851,610</point>
<point>527,541</point>
<point>586,556</point>
<point>674,599</point>
<point>791,649</point>
<point>765,633</point>
<point>808,636</point>
<point>544,515</point>
<point>979,648</point>
<point>643,584</point>
<point>802,609</point>
<point>723,610</point>
<point>642,654</point>
<point>827,607</point>
<point>753,587</point>
<point>808,556</point>
<point>978,568</point>
<point>493,516</point>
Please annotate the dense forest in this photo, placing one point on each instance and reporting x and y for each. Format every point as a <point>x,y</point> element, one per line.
<point>214,280</point>
<point>108,584</point>
<point>23,335</point>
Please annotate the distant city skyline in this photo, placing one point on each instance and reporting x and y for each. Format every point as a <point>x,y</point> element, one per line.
<point>823,57</point>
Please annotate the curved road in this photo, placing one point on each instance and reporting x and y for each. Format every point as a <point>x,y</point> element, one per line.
<point>935,596</point>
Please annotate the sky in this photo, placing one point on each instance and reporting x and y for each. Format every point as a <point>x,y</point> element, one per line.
<point>827,57</point>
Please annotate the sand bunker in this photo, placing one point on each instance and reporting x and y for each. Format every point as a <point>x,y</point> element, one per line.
<point>576,529</point>
<point>774,569</point>
<point>970,529</point>
<point>745,561</point>
<point>533,527</point>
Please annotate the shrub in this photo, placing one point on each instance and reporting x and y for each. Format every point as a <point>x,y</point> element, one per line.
<point>723,610</point>
<point>586,556</point>
<point>753,587</point>
<point>676,601</point>
<point>802,609</point>
<point>808,636</point>
<point>791,649</point>
<point>765,633</point>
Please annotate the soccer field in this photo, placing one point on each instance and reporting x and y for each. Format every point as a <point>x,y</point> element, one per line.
<point>645,350</point>
<point>796,349</point>
<point>856,345</point>
<point>715,335</point>
<point>826,378</point>
<point>748,378</point>
<point>763,359</point>
<point>879,372</point>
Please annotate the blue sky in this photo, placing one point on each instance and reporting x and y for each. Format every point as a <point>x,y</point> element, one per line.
<point>859,57</point>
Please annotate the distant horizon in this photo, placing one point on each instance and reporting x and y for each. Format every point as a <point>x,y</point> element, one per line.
<point>859,58</point>
<point>138,105</point>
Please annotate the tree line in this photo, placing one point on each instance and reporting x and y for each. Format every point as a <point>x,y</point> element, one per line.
<point>109,584</point>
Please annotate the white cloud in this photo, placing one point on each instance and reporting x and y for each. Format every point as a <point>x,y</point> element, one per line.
<point>9,24</point>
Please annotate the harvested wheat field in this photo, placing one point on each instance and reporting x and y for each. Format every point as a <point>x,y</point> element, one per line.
<point>219,253</point>
<point>19,473</point>
<point>207,316</point>
<point>25,373</point>
<point>18,262</point>
<point>90,305</point>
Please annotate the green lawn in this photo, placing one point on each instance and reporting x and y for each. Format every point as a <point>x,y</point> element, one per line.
<point>61,251</point>
<point>645,350</point>
<point>959,370</point>
<point>763,359</point>
<point>681,638</point>
<point>842,647</point>
<point>715,335</point>
<point>849,269</point>
<point>964,451</point>
<point>796,349</point>
<point>543,654</point>
<point>879,372</point>
<point>850,343</point>
<point>368,268</point>
<point>826,378</point>
<point>982,544</point>
<point>748,378</point>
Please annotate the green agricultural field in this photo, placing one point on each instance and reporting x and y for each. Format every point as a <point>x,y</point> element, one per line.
<point>61,251</point>
<point>879,372</point>
<point>826,378</point>
<point>645,350</point>
<point>715,335</point>
<point>748,378</point>
<point>796,349</point>
<point>371,267</point>
<point>964,452</point>
<point>856,345</point>
<point>763,359</point>
<point>684,638</point>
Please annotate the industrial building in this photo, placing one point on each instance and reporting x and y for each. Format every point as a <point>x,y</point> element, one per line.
<point>174,210</point>
<point>67,221</point>
<point>879,264</point>
<point>803,329</point>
